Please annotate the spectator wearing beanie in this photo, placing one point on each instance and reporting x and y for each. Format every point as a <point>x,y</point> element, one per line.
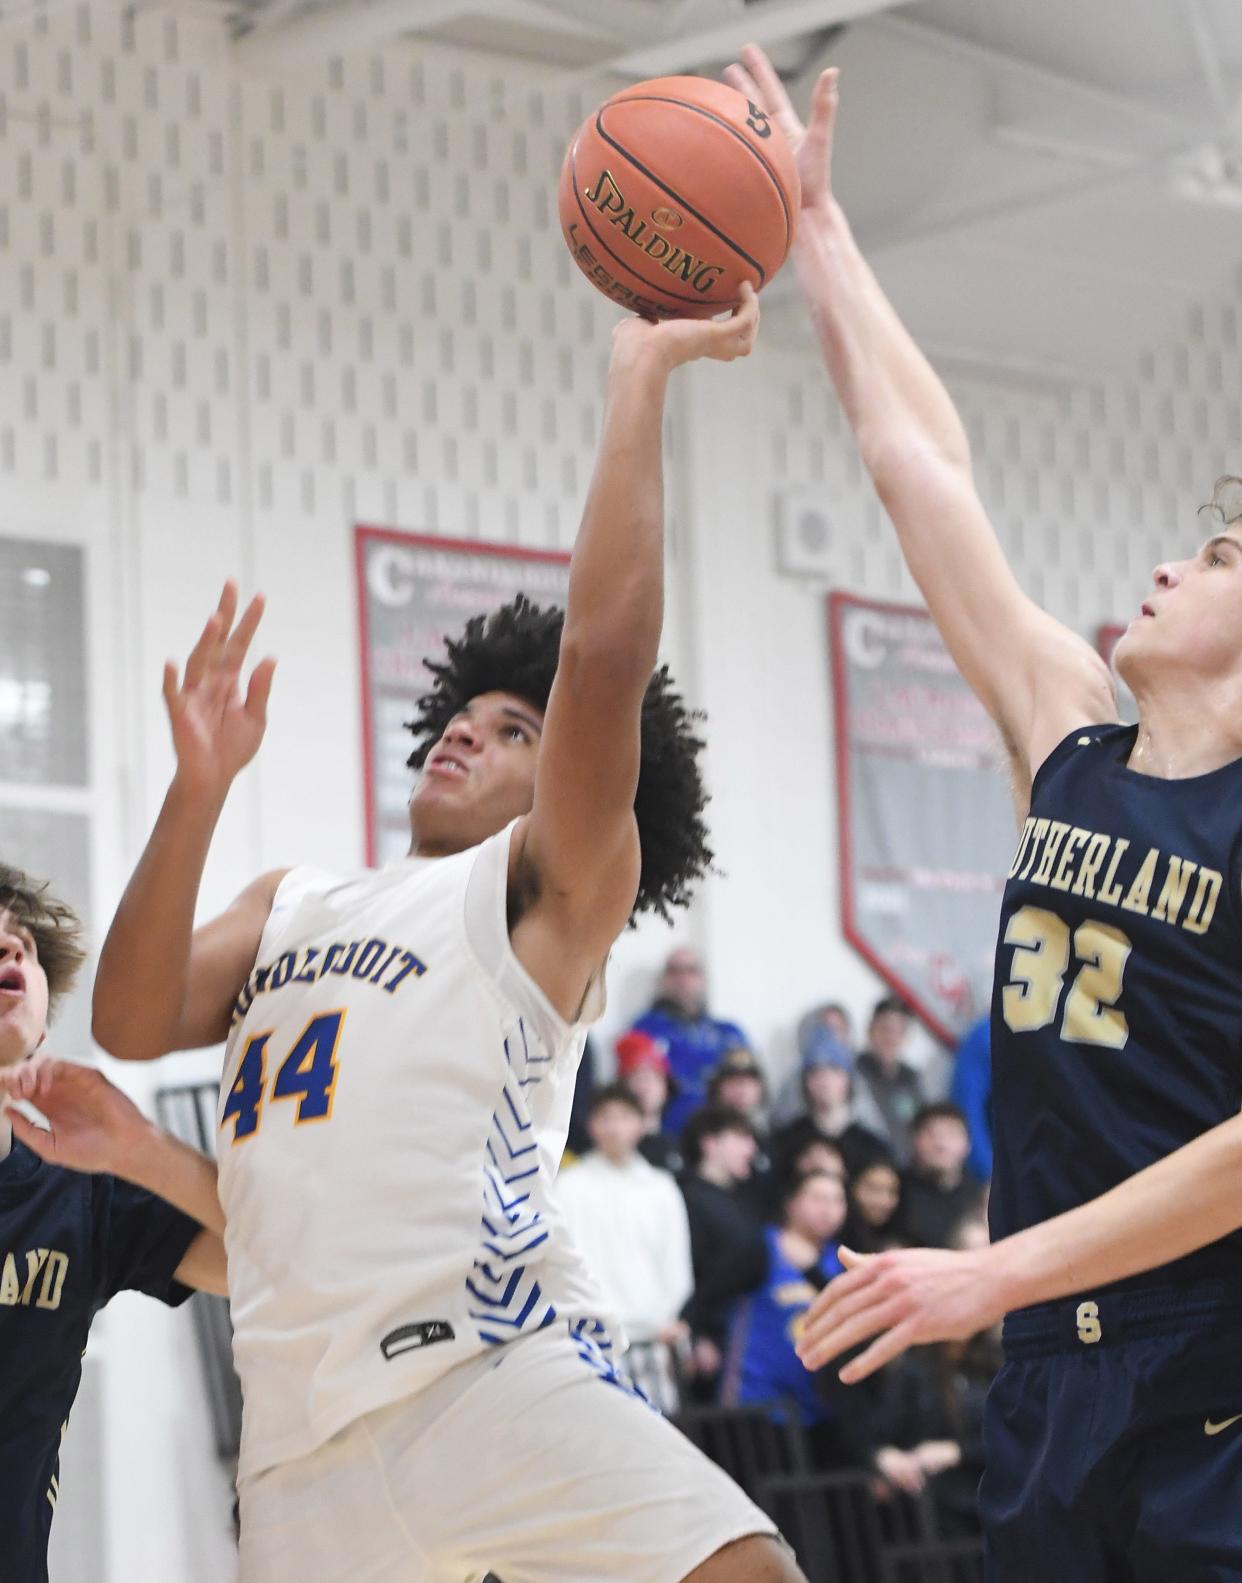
<point>694,1039</point>
<point>642,1065</point>
<point>830,1014</point>
<point>828,1094</point>
<point>888,1092</point>
<point>937,1192</point>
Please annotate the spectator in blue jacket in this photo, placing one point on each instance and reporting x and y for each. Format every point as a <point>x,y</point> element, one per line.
<point>695,1040</point>
<point>972,1094</point>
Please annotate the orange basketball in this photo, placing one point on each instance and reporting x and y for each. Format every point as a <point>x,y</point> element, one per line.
<point>673,193</point>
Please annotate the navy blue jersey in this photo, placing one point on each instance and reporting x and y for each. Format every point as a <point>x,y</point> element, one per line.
<point>68,1243</point>
<point>1117,1008</point>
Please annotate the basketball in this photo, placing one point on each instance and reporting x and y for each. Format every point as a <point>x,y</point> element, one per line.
<point>673,193</point>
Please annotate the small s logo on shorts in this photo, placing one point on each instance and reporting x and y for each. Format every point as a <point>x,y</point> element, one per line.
<point>408,1338</point>
<point>1088,1321</point>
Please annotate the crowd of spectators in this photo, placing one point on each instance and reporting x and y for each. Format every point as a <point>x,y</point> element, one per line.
<point>713,1212</point>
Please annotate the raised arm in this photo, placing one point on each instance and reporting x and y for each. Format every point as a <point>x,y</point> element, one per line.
<point>579,844</point>
<point>161,985</point>
<point>94,1127</point>
<point>917,1295</point>
<point>1036,678</point>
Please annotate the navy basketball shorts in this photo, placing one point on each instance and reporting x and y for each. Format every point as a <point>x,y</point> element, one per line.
<point>1113,1440</point>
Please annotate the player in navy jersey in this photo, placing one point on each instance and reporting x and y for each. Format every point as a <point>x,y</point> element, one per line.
<point>1117,1011</point>
<point>69,1241</point>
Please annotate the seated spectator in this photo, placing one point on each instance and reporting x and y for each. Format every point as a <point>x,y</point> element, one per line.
<point>819,1155</point>
<point>872,1224</point>
<point>695,1040</point>
<point>739,1084</point>
<point>726,1232</point>
<point>922,1417</point>
<point>801,1260</point>
<point>642,1065</point>
<point>629,1220</point>
<point>888,1093</point>
<point>829,1015</point>
<point>971,1092</point>
<point>937,1192</point>
<point>828,1088</point>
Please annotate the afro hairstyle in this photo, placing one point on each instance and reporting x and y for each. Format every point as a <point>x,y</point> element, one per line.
<point>515,650</point>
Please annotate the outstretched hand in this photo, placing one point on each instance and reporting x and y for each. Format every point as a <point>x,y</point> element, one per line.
<point>686,340</point>
<point>905,1298</point>
<point>93,1125</point>
<point>811,144</point>
<point>216,732</point>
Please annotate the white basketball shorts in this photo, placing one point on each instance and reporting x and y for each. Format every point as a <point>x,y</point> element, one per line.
<point>536,1462</point>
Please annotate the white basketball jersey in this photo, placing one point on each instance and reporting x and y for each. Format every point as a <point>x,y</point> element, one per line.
<point>394,1107</point>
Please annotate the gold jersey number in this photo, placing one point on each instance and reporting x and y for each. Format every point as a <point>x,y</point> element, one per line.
<point>1041,959</point>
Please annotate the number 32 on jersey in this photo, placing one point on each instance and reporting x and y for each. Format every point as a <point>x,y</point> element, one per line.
<point>1042,949</point>
<point>307,1074</point>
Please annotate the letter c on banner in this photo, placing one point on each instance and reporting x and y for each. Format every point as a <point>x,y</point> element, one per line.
<point>390,575</point>
<point>864,638</point>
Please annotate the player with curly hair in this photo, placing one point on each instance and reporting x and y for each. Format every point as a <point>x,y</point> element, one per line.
<point>430,1382</point>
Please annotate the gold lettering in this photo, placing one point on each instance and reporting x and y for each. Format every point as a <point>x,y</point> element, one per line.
<point>1061,879</point>
<point>1056,834</point>
<point>1173,891</point>
<point>10,1288</point>
<point>1097,847</point>
<point>706,276</point>
<point>1203,909</point>
<point>607,195</point>
<point>1136,896</point>
<point>1022,846</point>
<point>53,1280</point>
<point>34,1263</point>
<point>1109,891</point>
<point>1040,831</point>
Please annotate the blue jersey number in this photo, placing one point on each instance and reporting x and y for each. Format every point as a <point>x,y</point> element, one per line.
<point>307,1074</point>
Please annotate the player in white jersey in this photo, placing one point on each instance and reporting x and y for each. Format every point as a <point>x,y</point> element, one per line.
<point>429,1384</point>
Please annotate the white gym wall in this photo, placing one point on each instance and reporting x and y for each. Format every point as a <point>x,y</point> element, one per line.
<point>255,288</point>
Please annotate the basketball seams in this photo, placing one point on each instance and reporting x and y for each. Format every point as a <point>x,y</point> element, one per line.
<point>658,287</point>
<point>685,104</point>
<point>675,196</point>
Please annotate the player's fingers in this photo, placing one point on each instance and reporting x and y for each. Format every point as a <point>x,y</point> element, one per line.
<point>170,688</point>
<point>882,1350</point>
<point>37,1139</point>
<point>240,640</point>
<point>852,1260</point>
<point>203,652</point>
<point>260,690</point>
<point>771,94</point>
<point>820,127</point>
<point>877,1315</point>
<point>738,77</point>
<point>839,1299</point>
<point>227,608</point>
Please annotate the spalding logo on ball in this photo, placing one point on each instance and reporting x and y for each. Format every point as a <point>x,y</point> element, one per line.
<point>673,193</point>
